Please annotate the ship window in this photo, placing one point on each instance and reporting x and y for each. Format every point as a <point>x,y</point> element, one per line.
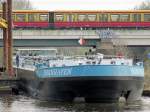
<point>82,17</point>
<point>103,17</point>
<point>146,17</point>
<point>31,18</point>
<point>20,17</point>
<point>115,17</point>
<point>92,17</point>
<point>70,18</point>
<point>136,17</point>
<point>43,17</point>
<point>59,17</point>
<point>124,17</point>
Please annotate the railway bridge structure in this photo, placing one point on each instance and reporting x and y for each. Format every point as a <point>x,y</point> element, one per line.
<point>60,38</point>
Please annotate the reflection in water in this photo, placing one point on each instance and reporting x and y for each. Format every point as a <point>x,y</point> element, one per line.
<point>11,103</point>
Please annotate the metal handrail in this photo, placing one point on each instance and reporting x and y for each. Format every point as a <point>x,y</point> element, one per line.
<point>74,57</point>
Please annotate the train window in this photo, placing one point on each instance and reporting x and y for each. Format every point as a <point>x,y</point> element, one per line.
<point>146,17</point>
<point>115,17</point>
<point>20,17</point>
<point>31,18</point>
<point>43,17</point>
<point>92,17</point>
<point>136,17</point>
<point>103,17</point>
<point>81,17</point>
<point>59,17</point>
<point>70,18</point>
<point>124,17</point>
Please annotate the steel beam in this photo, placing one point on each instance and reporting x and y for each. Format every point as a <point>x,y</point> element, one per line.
<point>9,17</point>
<point>5,37</point>
<point>51,43</point>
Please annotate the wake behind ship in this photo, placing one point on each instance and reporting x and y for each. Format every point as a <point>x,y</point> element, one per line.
<point>96,78</point>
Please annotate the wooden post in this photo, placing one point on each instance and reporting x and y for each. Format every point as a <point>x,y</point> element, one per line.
<point>10,41</point>
<point>5,37</point>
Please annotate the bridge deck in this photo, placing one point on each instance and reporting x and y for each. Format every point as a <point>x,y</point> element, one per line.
<point>50,38</point>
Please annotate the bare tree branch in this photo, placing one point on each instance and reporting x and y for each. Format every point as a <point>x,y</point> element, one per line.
<point>143,6</point>
<point>21,5</point>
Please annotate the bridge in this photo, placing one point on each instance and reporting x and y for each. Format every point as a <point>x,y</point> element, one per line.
<point>48,38</point>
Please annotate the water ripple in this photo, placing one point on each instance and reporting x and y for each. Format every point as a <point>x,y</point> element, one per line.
<point>11,103</point>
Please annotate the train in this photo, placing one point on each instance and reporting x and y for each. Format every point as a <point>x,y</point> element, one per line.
<point>81,19</point>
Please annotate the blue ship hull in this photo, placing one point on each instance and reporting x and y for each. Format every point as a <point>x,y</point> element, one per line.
<point>95,83</point>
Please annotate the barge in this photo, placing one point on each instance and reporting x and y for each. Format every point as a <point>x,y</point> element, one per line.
<point>96,78</point>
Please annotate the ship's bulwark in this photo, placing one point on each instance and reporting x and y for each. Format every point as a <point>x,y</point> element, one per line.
<point>92,87</point>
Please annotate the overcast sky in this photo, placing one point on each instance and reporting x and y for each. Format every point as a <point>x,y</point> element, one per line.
<point>85,4</point>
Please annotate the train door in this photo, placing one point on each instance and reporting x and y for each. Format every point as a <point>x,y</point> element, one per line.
<point>70,17</point>
<point>51,20</point>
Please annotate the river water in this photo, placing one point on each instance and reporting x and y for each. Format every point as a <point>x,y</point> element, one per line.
<point>11,103</point>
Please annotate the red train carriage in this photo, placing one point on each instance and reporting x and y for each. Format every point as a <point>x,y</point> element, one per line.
<point>78,19</point>
<point>33,19</point>
<point>91,19</point>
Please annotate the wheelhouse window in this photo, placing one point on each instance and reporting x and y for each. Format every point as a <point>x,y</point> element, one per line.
<point>124,18</point>
<point>82,17</point>
<point>59,17</point>
<point>146,17</point>
<point>91,17</point>
<point>31,18</point>
<point>20,17</point>
<point>136,17</point>
<point>43,17</point>
<point>103,17</point>
<point>115,17</point>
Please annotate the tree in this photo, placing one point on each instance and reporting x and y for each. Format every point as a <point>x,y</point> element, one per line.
<point>22,5</point>
<point>143,6</point>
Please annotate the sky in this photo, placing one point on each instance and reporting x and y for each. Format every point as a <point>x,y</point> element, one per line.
<point>85,4</point>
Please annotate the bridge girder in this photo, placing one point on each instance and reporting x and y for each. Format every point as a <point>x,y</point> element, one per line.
<point>40,37</point>
<point>52,43</point>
